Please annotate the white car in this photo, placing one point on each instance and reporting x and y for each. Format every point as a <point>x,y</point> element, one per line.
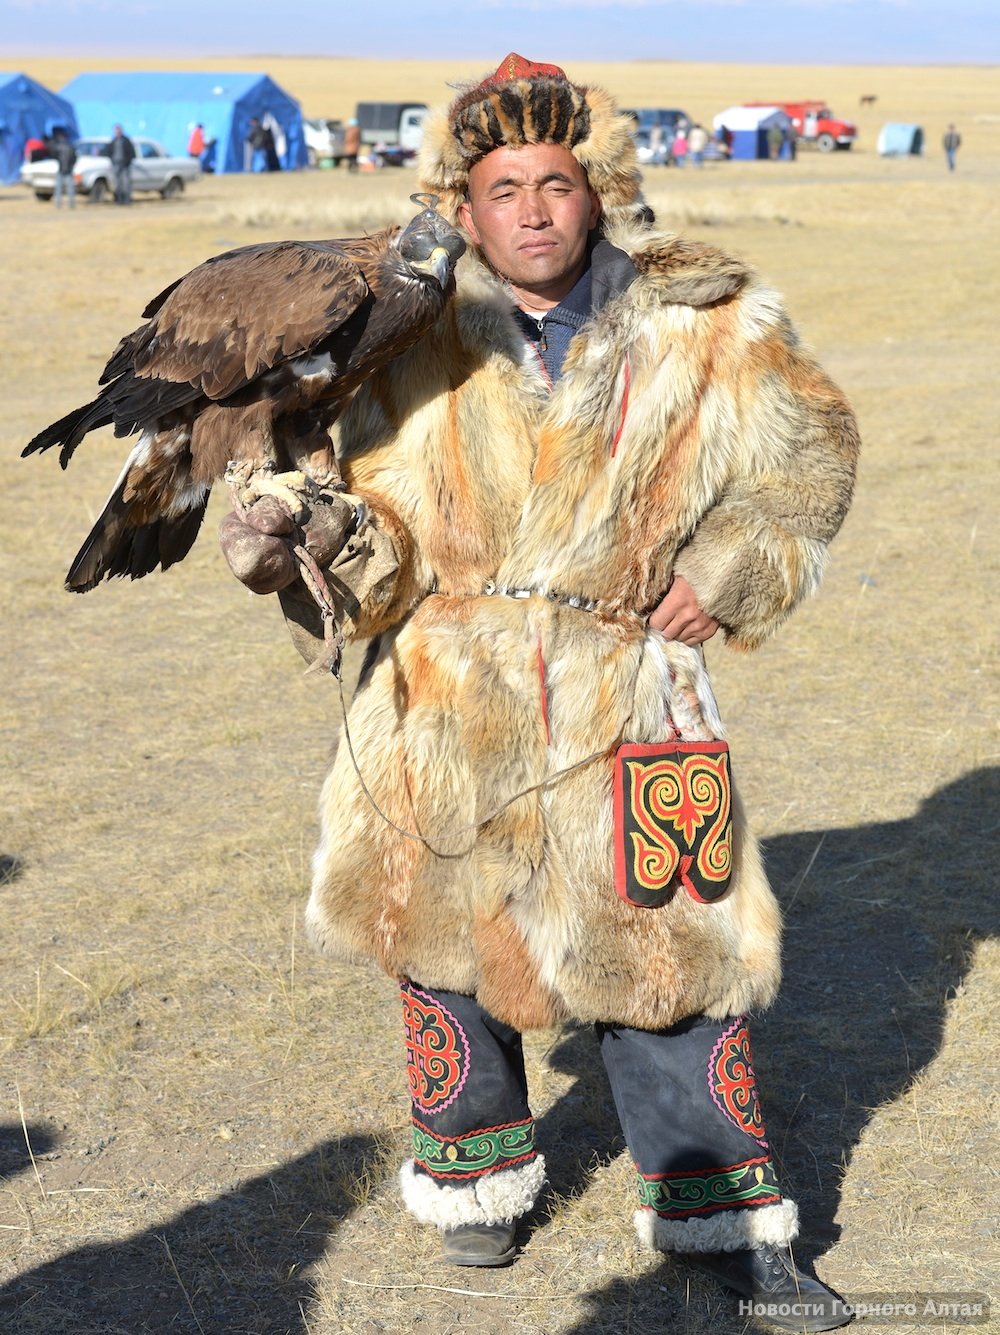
<point>152,169</point>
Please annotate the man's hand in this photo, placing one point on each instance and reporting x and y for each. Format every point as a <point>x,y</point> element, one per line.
<point>257,544</point>
<point>679,616</point>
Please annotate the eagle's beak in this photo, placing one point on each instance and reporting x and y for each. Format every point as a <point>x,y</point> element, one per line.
<point>439,263</point>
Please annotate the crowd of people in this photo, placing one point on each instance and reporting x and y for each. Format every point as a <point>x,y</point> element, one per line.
<point>686,142</point>
<point>58,145</point>
<point>690,142</point>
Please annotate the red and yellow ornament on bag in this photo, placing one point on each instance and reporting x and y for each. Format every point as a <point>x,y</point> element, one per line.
<point>673,821</point>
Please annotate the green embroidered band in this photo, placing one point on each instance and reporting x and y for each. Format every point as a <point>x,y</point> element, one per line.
<point>742,1185</point>
<point>472,1155</point>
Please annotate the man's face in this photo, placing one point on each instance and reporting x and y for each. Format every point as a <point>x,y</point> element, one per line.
<point>529,211</point>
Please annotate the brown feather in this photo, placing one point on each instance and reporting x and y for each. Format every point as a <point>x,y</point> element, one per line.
<point>216,330</point>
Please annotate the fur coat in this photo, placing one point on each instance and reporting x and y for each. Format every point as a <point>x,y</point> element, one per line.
<point>689,433</point>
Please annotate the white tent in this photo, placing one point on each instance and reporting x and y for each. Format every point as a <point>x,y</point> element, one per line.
<point>748,127</point>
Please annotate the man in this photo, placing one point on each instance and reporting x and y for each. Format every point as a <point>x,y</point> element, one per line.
<point>196,141</point>
<point>697,143</point>
<point>121,151</point>
<point>609,447</point>
<point>272,162</point>
<point>352,143</point>
<point>254,155</point>
<point>951,143</point>
<point>65,156</point>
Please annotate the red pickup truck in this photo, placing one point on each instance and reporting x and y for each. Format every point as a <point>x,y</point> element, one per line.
<point>815,124</point>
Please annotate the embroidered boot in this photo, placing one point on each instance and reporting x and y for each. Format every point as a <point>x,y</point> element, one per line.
<point>782,1294</point>
<point>479,1244</point>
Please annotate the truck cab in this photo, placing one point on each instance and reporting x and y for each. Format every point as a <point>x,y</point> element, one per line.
<point>392,124</point>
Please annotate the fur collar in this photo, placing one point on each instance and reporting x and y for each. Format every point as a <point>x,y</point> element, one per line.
<point>681,272</point>
<point>658,268</point>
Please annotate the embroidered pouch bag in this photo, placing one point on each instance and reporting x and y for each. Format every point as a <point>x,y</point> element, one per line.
<point>673,821</point>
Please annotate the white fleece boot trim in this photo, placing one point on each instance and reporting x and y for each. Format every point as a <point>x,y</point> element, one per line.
<point>496,1198</point>
<point>724,1231</point>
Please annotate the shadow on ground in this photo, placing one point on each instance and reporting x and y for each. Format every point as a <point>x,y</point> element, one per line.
<point>881,921</point>
<point>14,1142</point>
<point>11,867</point>
<point>235,1265</point>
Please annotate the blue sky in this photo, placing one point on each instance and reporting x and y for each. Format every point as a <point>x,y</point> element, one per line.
<point>792,31</point>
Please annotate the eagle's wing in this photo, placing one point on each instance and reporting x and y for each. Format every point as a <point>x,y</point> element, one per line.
<point>249,349</point>
<point>239,315</point>
<point>210,334</point>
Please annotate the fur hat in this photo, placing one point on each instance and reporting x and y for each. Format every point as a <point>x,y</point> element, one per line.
<point>527,103</point>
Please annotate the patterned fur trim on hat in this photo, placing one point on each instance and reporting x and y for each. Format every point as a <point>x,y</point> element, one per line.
<point>724,1231</point>
<point>536,110</point>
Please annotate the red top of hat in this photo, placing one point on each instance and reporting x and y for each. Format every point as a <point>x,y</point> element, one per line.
<point>516,67</point>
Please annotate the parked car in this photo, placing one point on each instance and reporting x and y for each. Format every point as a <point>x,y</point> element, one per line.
<point>654,131</point>
<point>667,118</point>
<point>153,169</point>
<point>324,140</point>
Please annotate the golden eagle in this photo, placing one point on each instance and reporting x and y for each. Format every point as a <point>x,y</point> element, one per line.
<point>245,363</point>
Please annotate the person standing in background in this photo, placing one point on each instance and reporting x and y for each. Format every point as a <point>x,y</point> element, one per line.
<point>352,144</point>
<point>951,143</point>
<point>121,151</point>
<point>272,162</point>
<point>254,156</point>
<point>679,147</point>
<point>196,144</point>
<point>697,143</point>
<point>65,156</point>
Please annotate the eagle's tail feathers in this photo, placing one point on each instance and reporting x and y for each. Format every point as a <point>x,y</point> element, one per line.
<point>117,545</point>
<point>175,537</point>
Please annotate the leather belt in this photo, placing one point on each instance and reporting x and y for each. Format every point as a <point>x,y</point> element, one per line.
<point>565,599</point>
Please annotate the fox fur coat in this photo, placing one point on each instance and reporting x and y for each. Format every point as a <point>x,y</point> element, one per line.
<point>690,433</point>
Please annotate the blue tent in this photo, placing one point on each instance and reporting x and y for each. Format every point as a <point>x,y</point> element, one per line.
<point>168,106</point>
<point>27,111</point>
<point>897,141</point>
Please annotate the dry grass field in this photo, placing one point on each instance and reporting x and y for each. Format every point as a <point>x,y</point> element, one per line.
<point>200,1119</point>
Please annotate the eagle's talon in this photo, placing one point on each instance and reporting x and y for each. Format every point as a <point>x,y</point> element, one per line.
<point>294,490</point>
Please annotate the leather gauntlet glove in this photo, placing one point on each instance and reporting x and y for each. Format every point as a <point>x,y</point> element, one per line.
<point>258,544</point>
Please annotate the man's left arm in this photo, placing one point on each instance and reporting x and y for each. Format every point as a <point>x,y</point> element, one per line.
<point>761,548</point>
